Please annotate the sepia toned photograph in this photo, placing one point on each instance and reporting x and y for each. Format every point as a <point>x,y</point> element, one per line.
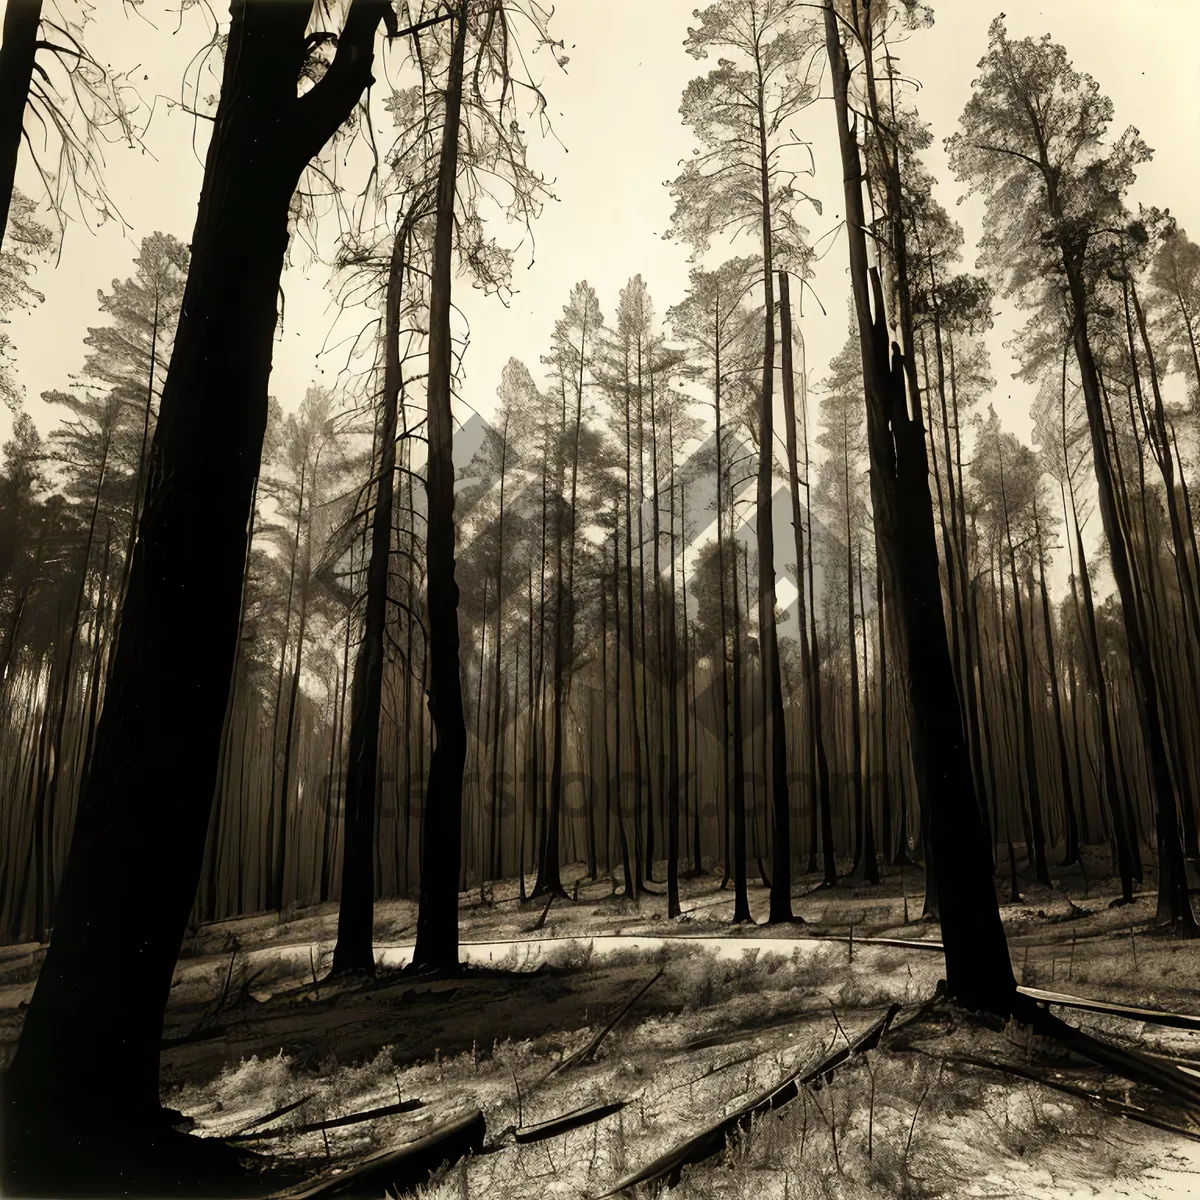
<point>600,599</point>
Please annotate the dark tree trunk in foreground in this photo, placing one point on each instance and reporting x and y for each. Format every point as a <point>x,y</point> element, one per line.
<point>94,1024</point>
<point>17,52</point>
<point>441,828</point>
<point>978,972</point>
<point>356,914</point>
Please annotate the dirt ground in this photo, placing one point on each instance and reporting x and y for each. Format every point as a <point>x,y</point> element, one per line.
<point>253,1027</point>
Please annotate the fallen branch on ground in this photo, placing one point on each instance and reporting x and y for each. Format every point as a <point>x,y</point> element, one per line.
<point>568,1121</point>
<point>1152,1016</point>
<point>275,1114</point>
<point>1132,1112</point>
<point>1129,1064</point>
<point>401,1168</point>
<point>370,1114</point>
<point>725,1066</point>
<point>712,1140</point>
<point>588,1053</point>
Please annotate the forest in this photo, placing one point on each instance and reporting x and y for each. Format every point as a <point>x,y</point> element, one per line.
<point>747,744</point>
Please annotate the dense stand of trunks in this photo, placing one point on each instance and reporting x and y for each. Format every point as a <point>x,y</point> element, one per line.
<point>563,663</point>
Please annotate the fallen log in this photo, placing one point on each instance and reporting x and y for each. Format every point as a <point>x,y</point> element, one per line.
<point>568,1121</point>
<point>712,1140</point>
<point>588,1053</point>
<point>1152,1016</point>
<point>370,1114</point>
<point>400,1169</point>
<point>276,1113</point>
<point>1133,1065</point>
<point>725,1066</point>
<point>1129,1111</point>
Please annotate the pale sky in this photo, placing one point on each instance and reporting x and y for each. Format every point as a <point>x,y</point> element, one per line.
<point>615,109</point>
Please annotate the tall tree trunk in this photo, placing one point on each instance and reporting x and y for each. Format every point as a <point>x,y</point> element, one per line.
<point>441,830</point>
<point>773,723</point>
<point>895,852</point>
<point>498,681</point>
<point>280,849</point>
<point>1121,819</point>
<point>1041,869</point>
<point>95,1020</point>
<point>856,781</point>
<point>721,659</point>
<point>821,764</point>
<point>741,899</point>
<point>672,724</point>
<point>978,971</point>
<point>789,414</point>
<point>629,614</point>
<point>630,889</point>
<point>870,860</point>
<point>17,53</point>
<point>354,949</point>
<point>660,758</point>
<point>1070,818</point>
<point>1174,904</point>
<point>274,837</point>
<point>92,704</point>
<point>226,755</point>
<point>47,793</point>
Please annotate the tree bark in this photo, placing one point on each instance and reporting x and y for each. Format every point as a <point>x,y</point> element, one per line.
<point>773,724</point>
<point>94,1024</point>
<point>741,899</point>
<point>354,950</point>
<point>978,971</point>
<point>441,829</point>
<point>1070,818</point>
<point>789,412</point>
<point>672,723</point>
<point>18,51</point>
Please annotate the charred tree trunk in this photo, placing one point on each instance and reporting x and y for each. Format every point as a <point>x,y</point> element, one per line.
<point>741,899</point>
<point>95,1020</point>
<point>17,53</point>
<point>354,950</point>
<point>1070,817</point>
<point>1038,829</point>
<point>672,725</point>
<point>789,412</point>
<point>441,829</point>
<point>1174,904</point>
<point>773,723</point>
<point>630,889</point>
<point>721,659</point>
<point>978,971</point>
<point>497,854</point>
<point>870,859</point>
